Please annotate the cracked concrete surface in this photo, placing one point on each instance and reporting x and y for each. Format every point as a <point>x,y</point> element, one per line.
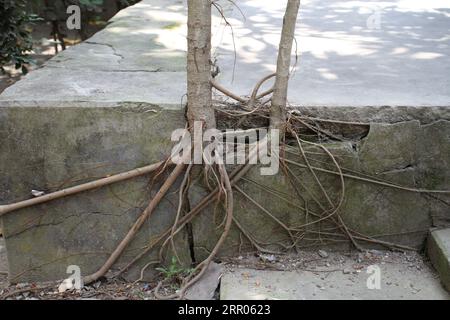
<point>374,275</point>
<point>343,60</point>
<point>346,69</point>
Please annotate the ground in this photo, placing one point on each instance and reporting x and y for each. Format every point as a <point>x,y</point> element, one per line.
<point>332,275</point>
<point>350,53</point>
<point>343,60</point>
<point>307,275</point>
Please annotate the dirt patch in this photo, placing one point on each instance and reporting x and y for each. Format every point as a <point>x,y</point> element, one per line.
<point>328,261</point>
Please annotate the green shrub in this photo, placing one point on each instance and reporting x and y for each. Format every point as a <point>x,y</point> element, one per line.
<point>15,35</point>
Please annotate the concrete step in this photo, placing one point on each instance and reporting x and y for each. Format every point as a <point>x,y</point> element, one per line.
<point>439,253</point>
<point>383,275</point>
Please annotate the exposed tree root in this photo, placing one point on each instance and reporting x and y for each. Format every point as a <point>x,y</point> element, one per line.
<point>137,225</point>
<point>235,176</point>
<point>323,224</point>
<point>182,195</point>
<point>369,180</point>
<point>227,92</point>
<point>201,268</point>
<point>23,290</point>
<point>4,209</point>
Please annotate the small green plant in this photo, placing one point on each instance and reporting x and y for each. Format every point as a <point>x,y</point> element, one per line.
<point>174,272</point>
<point>15,34</point>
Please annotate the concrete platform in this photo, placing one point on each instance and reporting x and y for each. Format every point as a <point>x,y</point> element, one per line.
<point>337,277</point>
<point>395,67</point>
<point>124,62</point>
<point>439,253</point>
<point>350,53</point>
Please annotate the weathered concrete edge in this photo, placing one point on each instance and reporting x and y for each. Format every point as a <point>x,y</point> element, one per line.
<point>25,104</point>
<point>378,114</point>
<point>364,114</point>
<point>439,254</point>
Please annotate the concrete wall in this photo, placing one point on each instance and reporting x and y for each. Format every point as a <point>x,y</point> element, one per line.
<point>50,148</point>
<point>406,154</point>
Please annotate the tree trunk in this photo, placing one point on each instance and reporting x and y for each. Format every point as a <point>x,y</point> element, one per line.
<point>279,98</point>
<point>198,64</point>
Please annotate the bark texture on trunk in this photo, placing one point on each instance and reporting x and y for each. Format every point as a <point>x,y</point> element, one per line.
<point>279,98</point>
<point>198,64</point>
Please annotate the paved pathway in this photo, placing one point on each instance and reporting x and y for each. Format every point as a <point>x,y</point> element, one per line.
<point>402,276</point>
<point>351,53</point>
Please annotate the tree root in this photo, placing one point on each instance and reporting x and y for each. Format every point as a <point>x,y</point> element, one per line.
<point>221,185</point>
<point>137,225</point>
<point>4,209</point>
<point>227,92</point>
<point>201,268</point>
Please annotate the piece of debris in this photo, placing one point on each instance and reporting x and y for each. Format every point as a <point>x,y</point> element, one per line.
<point>323,253</point>
<point>37,193</point>
<point>359,258</point>
<point>267,257</point>
<point>146,287</point>
<point>66,285</point>
<point>376,252</point>
<point>97,284</point>
<point>205,288</point>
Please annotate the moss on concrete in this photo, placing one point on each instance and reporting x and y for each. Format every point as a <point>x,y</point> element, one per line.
<point>50,148</point>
